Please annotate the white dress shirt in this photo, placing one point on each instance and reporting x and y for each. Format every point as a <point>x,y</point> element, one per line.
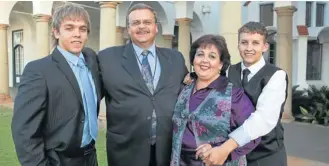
<point>268,107</point>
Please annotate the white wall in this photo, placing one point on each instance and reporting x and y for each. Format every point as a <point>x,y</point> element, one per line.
<point>27,23</point>
<point>325,63</point>
<point>253,11</point>
<point>294,62</point>
<point>93,39</point>
<point>210,21</point>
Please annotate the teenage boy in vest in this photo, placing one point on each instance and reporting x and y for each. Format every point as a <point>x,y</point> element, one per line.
<point>266,86</point>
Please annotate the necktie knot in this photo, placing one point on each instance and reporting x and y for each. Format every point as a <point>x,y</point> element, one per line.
<point>145,52</point>
<point>81,63</point>
<point>246,72</point>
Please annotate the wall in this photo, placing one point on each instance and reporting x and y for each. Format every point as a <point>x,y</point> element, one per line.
<point>209,21</point>
<point>93,39</point>
<point>27,23</point>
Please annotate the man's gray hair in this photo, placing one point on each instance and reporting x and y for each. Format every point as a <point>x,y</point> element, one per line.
<point>140,6</point>
<point>68,11</point>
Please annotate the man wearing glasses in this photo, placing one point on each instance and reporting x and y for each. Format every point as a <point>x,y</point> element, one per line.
<point>141,84</point>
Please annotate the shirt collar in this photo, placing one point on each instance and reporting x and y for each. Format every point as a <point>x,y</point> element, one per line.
<point>255,67</point>
<point>70,57</point>
<point>139,50</point>
<point>219,84</point>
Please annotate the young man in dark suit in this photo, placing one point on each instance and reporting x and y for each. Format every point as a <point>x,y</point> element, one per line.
<point>56,108</point>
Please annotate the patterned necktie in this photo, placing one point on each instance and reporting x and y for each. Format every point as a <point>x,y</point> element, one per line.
<point>245,73</point>
<point>89,100</point>
<point>146,71</point>
<point>148,78</point>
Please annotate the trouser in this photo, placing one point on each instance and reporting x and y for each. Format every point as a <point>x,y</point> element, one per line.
<point>279,158</point>
<point>152,156</point>
<point>187,158</point>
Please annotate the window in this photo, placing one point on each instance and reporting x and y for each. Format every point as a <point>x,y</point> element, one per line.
<point>308,16</point>
<point>266,14</point>
<point>319,14</point>
<point>314,60</point>
<point>174,44</point>
<point>271,57</point>
<point>18,55</point>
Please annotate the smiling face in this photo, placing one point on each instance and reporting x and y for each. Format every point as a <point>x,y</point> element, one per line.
<point>72,35</point>
<point>142,27</point>
<point>251,47</point>
<point>207,63</point>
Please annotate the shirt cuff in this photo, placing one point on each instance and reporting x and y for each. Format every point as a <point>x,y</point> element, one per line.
<point>240,136</point>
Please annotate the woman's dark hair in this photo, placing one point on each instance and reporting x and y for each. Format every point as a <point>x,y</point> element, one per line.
<point>220,43</point>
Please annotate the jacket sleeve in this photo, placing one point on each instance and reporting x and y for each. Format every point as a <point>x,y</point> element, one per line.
<point>29,112</point>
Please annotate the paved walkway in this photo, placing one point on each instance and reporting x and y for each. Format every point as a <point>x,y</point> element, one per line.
<point>307,141</point>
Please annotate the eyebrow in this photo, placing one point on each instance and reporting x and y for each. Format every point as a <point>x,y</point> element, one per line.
<point>72,25</point>
<point>143,20</point>
<point>248,40</point>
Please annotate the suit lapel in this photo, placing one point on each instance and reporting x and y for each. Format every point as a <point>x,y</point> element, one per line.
<point>165,69</point>
<point>129,62</point>
<point>67,71</point>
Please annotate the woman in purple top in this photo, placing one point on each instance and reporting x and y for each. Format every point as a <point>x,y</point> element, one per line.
<point>209,109</point>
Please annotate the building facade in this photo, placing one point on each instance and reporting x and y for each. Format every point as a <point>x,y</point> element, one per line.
<point>310,38</point>
<point>299,40</point>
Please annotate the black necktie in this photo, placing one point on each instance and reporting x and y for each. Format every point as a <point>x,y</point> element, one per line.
<point>245,72</point>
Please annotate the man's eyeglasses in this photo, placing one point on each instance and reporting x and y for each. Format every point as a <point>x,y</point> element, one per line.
<point>135,23</point>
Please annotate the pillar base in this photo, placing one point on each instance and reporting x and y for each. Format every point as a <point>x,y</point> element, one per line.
<point>287,118</point>
<point>4,98</point>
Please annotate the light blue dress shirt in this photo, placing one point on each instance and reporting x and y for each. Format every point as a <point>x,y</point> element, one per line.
<point>73,62</point>
<point>153,60</point>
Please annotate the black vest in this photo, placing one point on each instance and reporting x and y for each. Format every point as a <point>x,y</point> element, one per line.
<point>273,141</point>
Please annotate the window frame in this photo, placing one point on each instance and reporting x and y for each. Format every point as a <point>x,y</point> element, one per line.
<point>15,83</point>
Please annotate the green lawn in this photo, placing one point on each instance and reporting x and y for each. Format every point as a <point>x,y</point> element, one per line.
<point>7,150</point>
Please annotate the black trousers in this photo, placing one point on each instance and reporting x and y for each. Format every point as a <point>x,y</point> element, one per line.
<point>86,156</point>
<point>152,156</point>
<point>187,158</point>
<point>277,159</point>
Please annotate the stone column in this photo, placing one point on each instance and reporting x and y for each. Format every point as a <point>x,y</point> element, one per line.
<point>184,39</point>
<point>107,37</point>
<point>230,22</point>
<point>119,36</point>
<point>168,40</point>
<point>284,50</point>
<point>4,72</point>
<point>42,35</point>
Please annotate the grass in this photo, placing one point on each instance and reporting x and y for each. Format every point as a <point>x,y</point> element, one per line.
<point>7,150</point>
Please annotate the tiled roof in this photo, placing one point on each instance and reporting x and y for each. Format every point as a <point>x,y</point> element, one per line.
<point>302,30</point>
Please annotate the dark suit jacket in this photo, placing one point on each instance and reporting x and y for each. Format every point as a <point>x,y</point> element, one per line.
<point>129,105</point>
<point>48,119</point>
